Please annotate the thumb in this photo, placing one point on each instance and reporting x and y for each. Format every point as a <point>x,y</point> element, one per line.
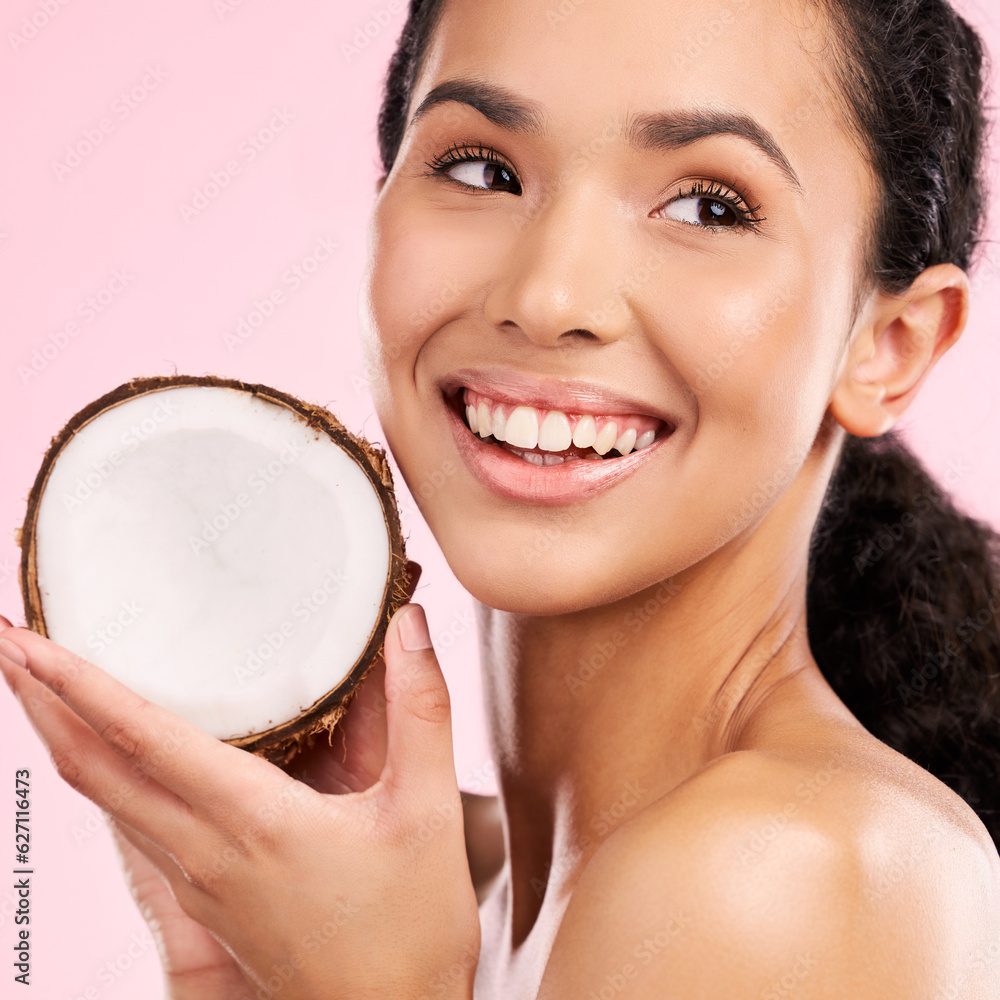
<point>418,709</point>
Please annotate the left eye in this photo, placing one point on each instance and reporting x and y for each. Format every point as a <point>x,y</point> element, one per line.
<point>701,211</point>
<point>484,174</point>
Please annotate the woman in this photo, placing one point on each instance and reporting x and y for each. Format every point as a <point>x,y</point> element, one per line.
<point>742,241</point>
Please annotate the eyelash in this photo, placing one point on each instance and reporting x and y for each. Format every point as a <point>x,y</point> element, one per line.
<point>465,153</point>
<point>736,200</point>
<point>748,219</point>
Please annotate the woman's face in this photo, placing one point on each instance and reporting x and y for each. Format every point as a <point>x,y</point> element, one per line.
<point>656,224</point>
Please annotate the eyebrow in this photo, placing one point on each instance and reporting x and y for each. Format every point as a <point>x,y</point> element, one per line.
<point>665,130</point>
<point>501,106</point>
<point>675,129</point>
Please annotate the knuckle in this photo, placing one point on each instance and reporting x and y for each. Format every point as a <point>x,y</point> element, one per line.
<point>213,872</point>
<point>432,703</point>
<point>190,896</point>
<point>63,681</point>
<point>197,880</point>
<point>166,747</point>
<point>275,813</point>
<point>124,736</point>
<point>67,764</point>
<point>197,871</point>
<point>253,838</point>
<point>259,839</point>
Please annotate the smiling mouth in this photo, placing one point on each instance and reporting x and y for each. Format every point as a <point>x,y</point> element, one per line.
<point>554,437</point>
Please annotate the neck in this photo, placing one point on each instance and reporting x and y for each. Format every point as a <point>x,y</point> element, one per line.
<point>595,714</point>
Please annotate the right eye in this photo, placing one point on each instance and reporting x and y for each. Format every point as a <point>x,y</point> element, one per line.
<point>479,168</point>
<point>483,174</point>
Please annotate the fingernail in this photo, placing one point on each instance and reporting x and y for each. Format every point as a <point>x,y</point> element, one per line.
<point>13,653</point>
<point>413,634</point>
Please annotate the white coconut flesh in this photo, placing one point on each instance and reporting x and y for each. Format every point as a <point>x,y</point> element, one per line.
<point>214,552</point>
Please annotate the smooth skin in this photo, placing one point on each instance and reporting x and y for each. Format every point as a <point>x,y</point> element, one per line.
<point>715,708</point>
<point>216,841</point>
<point>702,816</point>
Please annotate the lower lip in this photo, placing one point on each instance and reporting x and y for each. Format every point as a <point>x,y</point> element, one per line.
<point>512,477</point>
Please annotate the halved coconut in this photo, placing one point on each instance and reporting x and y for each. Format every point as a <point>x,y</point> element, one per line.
<point>226,550</point>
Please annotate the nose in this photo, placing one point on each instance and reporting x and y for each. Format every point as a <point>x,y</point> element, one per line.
<point>562,279</point>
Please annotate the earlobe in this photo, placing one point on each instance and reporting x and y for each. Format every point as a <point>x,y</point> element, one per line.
<point>892,354</point>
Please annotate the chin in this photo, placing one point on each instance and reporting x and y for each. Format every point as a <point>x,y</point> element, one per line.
<point>527,571</point>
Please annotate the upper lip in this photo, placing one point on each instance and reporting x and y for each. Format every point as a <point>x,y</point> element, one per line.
<point>518,388</point>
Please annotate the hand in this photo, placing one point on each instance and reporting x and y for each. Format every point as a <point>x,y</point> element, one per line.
<point>195,965</point>
<point>351,758</point>
<point>361,894</point>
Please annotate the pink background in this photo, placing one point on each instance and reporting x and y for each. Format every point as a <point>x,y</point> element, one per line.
<point>221,74</point>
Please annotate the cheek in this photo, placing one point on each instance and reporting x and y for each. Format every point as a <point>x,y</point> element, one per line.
<point>746,335</point>
<point>757,350</point>
<point>423,274</point>
<point>753,346</point>
<point>426,269</point>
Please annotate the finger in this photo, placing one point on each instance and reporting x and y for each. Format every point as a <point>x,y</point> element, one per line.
<point>211,776</point>
<point>418,709</point>
<point>413,571</point>
<point>88,765</point>
<point>148,870</point>
<point>186,947</point>
<point>351,758</point>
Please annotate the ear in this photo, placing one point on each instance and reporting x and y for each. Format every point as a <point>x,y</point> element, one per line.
<point>897,346</point>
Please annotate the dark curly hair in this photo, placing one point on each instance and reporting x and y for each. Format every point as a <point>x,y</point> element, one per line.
<point>903,600</point>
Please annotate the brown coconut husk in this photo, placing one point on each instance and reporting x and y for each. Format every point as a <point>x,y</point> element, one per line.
<point>281,743</point>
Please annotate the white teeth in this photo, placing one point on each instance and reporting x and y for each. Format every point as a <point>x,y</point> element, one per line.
<point>626,441</point>
<point>533,457</point>
<point>585,432</point>
<point>522,428</point>
<point>499,424</point>
<point>607,438</point>
<point>555,433</point>
<point>553,459</point>
<point>484,420</point>
<point>594,455</point>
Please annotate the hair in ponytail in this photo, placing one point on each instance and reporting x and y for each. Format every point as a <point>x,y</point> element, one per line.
<point>903,606</point>
<point>903,602</point>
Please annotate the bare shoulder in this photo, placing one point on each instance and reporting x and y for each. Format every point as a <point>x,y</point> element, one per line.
<point>842,869</point>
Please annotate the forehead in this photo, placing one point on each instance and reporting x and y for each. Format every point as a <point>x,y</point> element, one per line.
<point>592,64</point>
